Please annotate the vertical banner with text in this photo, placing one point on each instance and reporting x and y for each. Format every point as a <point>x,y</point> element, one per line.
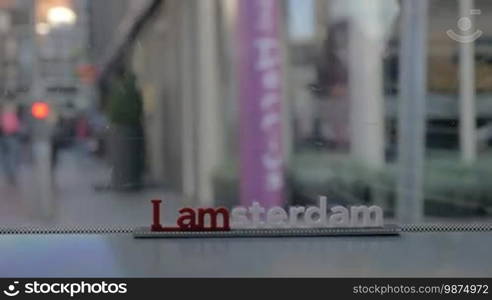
<point>261,99</point>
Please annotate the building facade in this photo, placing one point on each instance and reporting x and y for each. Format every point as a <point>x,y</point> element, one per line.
<point>185,57</point>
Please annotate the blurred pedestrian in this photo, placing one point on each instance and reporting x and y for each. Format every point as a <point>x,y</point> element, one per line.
<point>9,142</point>
<point>333,103</point>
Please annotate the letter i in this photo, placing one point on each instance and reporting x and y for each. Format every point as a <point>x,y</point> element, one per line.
<point>156,208</point>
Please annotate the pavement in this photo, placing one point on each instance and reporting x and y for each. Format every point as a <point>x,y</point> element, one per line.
<point>74,198</point>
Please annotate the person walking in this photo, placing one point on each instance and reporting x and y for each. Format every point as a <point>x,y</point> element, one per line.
<point>9,141</point>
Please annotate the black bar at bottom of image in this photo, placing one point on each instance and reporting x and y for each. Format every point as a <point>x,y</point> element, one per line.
<point>245,288</point>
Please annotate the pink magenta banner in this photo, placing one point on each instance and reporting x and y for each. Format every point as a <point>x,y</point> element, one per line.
<point>260,75</point>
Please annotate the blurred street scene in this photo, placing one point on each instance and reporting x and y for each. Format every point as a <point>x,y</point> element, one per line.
<point>106,105</point>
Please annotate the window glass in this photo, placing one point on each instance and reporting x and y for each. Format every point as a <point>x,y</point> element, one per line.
<point>106,105</point>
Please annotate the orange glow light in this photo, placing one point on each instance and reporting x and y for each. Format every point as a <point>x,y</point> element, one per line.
<point>40,110</point>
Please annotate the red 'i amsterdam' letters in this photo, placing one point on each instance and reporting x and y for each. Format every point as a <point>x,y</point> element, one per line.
<point>193,220</point>
<point>156,226</point>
